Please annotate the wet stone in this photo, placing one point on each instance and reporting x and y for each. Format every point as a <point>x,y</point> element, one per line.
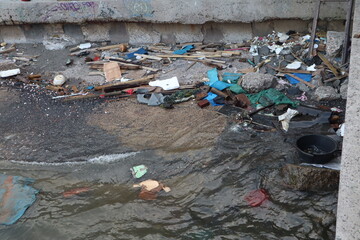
<point>310,178</point>
<point>343,91</point>
<point>302,87</point>
<point>326,93</point>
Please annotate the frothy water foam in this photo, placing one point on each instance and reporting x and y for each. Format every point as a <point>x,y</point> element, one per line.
<point>96,160</point>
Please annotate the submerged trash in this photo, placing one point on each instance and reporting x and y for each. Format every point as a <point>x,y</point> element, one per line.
<point>16,196</point>
<point>150,188</point>
<point>75,191</point>
<point>138,171</point>
<point>257,197</point>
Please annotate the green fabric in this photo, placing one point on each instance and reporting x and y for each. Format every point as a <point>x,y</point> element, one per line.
<point>237,89</point>
<point>269,96</point>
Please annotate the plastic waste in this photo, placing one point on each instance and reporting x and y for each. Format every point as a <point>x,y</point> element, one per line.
<point>167,84</point>
<point>341,131</point>
<point>75,191</point>
<point>138,171</point>
<point>85,45</point>
<point>9,73</point>
<point>304,76</point>
<point>15,197</point>
<point>311,68</point>
<point>286,118</point>
<point>139,51</point>
<point>257,197</point>
<point>184,50</point>
<point>295,65</point>
<point>59,80</point>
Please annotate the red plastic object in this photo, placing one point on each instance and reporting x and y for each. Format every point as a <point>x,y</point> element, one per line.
<point>96,58</point>
<point>75,191</point>
<point>130,91</point>
<point>257,197</point>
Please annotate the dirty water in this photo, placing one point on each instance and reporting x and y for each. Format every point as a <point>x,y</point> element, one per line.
<point>53,143</point>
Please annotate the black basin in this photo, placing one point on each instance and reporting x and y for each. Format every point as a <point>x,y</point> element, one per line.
<point>317,149</point>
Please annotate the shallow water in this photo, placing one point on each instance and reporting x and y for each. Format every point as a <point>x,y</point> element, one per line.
<point>208,185</point>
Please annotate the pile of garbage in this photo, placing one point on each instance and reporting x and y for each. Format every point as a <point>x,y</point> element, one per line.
<point>281,72</point>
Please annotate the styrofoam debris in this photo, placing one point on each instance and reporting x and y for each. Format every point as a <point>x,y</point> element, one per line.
<point>295,65</point>
<point>9,73</point>
<point>311,68</point>
<point>85,45</point>
<point>167,84</point>
<point>59,80</point>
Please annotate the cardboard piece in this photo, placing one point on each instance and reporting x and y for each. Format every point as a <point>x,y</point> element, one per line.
<point>112,71</point>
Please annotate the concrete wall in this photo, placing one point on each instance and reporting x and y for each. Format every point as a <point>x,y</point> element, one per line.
<point>144,33</point>
<point>162,11</point>
<point>348,212</point>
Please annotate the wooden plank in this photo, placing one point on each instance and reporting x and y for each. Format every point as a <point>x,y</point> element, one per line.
<point>301,80</point>
<point>314,27</point>
<point>136,82</point>
<point>345,51</point>
<point>328,64</point>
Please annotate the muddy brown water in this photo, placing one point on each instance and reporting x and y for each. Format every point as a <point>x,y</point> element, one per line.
<point>54,143</point>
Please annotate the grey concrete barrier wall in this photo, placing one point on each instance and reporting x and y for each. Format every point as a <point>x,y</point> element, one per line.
<point>14,12</point>
<point>149,33</point>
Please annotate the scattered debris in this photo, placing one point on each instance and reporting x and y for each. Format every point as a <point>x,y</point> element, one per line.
<point>150,189</point>
<point>286,117</point>
<point>167,84</point>
<point>257,198</point>
<point>112,71</point>
<point>9,73</point>
<point>59,80</point>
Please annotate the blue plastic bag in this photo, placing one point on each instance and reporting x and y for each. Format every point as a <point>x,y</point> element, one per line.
<point>16,196</point>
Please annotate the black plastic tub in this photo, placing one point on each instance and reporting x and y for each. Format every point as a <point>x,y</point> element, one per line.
<point>317,149</point>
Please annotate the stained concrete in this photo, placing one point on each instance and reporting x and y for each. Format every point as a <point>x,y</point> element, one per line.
<point>150,33</point>
<point>160,11</point>
<point>348,213</point>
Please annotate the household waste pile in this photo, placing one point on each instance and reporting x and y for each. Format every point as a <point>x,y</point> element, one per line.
<point>280,72</point>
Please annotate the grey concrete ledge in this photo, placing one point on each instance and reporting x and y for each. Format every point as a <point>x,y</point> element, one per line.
<point>14,12</point>
<point>348,212</point>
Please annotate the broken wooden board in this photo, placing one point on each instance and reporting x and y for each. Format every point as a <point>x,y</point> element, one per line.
<point>329,65</point>
<point>123,85</point>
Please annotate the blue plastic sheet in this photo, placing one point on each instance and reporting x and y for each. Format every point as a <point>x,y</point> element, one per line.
<point>139,51</point>
<point>184,50</point>
<point>214,80</point>
<point>304,76</point>
<point>210,97</point>
<point>16,196</point>
<point>231,77</point>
